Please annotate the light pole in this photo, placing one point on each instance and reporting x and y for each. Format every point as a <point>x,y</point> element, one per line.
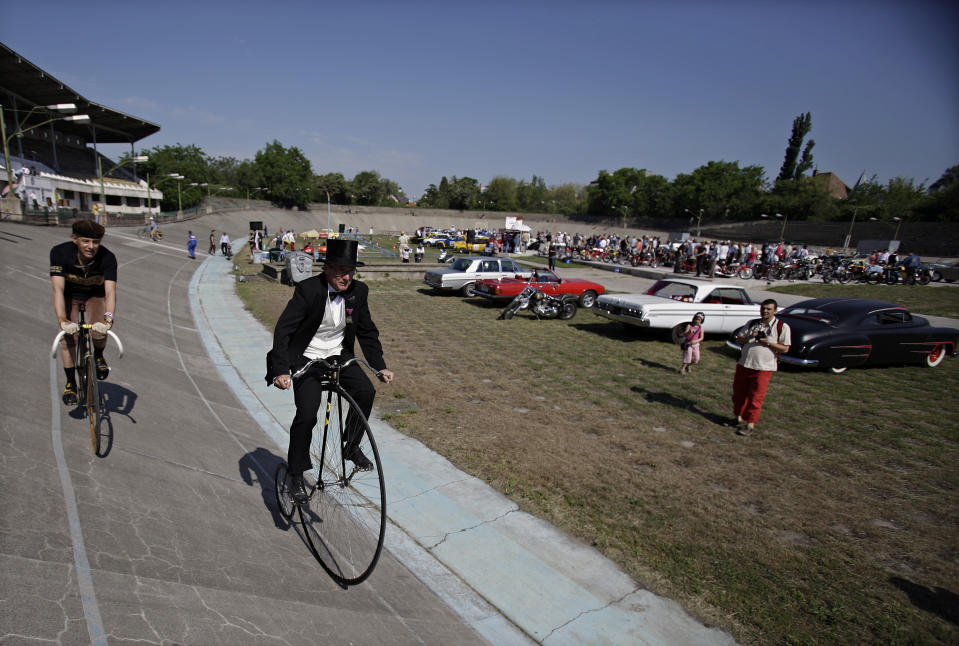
<point>179,196</point>
<point>898,222</point>
<point>65,108</point>
<point>782,232</point>
<point>138,159</point>
<point>699,219</point>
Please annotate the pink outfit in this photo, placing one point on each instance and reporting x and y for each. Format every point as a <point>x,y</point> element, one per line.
<point>691,354</point>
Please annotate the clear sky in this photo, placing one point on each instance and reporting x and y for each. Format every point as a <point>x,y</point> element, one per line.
<point>417,90</point>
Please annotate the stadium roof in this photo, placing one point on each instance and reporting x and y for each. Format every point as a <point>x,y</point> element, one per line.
<point>28,86</point>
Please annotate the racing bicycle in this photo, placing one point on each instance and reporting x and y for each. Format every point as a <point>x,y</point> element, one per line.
<point>344,520</point>
<point>90,400</point>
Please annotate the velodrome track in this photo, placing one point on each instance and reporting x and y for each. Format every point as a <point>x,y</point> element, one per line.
<point>173,537</point>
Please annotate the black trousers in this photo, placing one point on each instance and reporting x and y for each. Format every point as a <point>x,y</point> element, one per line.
<point>306,396</point>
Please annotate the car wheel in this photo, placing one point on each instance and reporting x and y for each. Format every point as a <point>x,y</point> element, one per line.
<point>468,289</point>
<point>587,299</point>
<point>838,370</point>
<point>935,357</point>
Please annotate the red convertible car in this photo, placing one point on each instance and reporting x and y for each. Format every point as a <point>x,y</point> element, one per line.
<point>504,289</point>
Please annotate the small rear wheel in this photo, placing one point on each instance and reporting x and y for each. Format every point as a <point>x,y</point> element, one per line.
<point>281,487</point>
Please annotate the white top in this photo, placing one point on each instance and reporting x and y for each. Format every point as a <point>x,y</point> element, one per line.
<point>328,340</point>
<point>761,357</point>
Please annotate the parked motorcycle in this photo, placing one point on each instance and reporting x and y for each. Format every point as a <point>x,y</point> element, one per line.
<point>444,257</point>
<point>541,304</point>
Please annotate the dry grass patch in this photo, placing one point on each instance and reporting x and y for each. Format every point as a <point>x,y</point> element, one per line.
<point>836,523</point>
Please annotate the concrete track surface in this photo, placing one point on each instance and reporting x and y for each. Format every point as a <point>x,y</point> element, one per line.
<point>173,537</point>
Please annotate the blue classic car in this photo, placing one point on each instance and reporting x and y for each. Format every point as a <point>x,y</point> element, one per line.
<point>840,333</point>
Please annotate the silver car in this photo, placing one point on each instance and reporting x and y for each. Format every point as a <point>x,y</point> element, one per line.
<point>464,272</point>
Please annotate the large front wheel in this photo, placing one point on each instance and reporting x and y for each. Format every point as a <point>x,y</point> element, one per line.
<point>345,520</point>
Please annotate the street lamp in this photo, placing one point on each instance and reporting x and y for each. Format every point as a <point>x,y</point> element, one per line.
<point>179,195</point>
<point>782,232</point>
<point>65,108</point>
<point>699,219</point>
<point>898,222</point>
<point>138,159</point>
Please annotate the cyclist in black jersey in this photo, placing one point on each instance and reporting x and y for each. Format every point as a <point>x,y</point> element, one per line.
<point>83,271</point>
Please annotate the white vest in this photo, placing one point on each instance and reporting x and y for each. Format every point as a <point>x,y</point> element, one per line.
<point>328,340</point>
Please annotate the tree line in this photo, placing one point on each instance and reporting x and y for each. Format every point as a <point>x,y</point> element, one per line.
<point>717,190</point>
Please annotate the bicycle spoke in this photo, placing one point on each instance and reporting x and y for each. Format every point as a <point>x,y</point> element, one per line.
<point>344,522</point>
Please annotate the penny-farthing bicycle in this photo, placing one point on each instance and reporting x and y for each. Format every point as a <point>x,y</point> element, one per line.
<point>344,521</point>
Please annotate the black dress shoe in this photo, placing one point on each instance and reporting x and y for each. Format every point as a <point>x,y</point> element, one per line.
<point>298,489</point>
<point>355,455</point>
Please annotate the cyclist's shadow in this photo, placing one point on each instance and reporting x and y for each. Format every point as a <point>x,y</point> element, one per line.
<point>116,399</point>
<point>259,465</point>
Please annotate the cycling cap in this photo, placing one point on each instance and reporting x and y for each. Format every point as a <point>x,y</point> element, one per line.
<point>88,229</point>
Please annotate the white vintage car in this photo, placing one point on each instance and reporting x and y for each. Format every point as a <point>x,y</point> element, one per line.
<point>672,303</point>
<point>464,272</point>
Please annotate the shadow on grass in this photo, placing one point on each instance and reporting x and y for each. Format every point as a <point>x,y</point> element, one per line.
<point>939,601</point>
<point>682,403</point>
<point>619,331</point>
<point>655,364</point>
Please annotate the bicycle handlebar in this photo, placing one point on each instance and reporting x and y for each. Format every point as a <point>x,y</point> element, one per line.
<point>334,366</point>
<point>56,342</point>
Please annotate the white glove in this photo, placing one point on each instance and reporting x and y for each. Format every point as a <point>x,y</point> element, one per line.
<point>69,327</point>
<point>102,327</point>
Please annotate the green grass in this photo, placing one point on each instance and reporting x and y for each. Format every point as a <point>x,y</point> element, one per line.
<point>823,528</point>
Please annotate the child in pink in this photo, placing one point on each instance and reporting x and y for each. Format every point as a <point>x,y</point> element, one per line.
<point>693,336</point>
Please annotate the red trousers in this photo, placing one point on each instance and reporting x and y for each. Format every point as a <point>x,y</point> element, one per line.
<point>749,390</point>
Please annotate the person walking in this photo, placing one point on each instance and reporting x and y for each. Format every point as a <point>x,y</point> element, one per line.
<point>191,244</point>
<point>212,250</point>
<point>323,319</point>
<point>762,340</point>
<point>693,336</point>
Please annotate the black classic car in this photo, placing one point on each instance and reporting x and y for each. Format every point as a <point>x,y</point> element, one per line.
<point>839,333</point>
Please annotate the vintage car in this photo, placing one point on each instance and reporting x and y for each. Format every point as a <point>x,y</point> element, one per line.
<point>504,289</point>
<point>671,303</point>
<point>477,246</point>
<point>840,333</point>
<point>441,240</point>
<point>464,272</point>
<point>947,271</point>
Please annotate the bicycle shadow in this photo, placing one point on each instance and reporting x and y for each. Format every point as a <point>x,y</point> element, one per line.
<point>116,399</point>
<point>259,466</point>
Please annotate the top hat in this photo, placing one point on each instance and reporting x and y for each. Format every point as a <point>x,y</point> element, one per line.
<point>342,252</point>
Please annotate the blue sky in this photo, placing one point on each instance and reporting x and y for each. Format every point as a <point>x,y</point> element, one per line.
<point>418,90</point>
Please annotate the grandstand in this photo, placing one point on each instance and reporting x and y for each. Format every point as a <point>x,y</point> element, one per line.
<point>50,160</point>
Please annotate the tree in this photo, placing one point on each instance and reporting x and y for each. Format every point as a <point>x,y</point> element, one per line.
<point>334,184</point>
<point>790,169</point>
<point>188,161</point>
<point>501,194</point>
<point>287,173</point>
<point>367,188</point>
<point>531,197</point>
<point>463,193</point>
<point>720,189</point>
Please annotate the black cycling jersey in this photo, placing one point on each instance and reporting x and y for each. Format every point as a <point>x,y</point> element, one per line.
<point>82,281</point>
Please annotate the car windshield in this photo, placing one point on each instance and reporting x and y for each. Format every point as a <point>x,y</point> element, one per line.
<point>809,314</point>
<point>461,264</point>
<point>675,291</point>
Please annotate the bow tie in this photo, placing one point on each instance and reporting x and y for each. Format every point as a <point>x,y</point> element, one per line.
<point>335,294</point>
